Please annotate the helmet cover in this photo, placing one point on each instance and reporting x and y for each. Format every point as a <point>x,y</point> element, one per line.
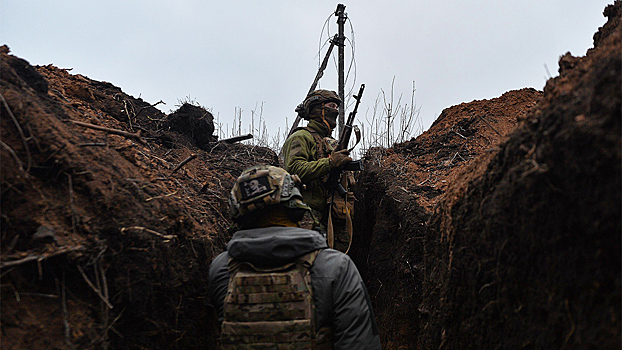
<point>264,185</point>
<point>313,99</point>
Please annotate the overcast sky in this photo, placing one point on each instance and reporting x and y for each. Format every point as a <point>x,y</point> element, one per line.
<point>230,54</point>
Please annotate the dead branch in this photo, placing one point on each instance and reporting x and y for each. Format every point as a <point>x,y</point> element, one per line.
<point>32,137</point>
<point>104,335</point>
<point>129,135</point>
<point>17,160</point>
<point>51,296</point>
<point>20,130</point>
<point>452,158</point>
<point>426,180</point>
<point>66,317</point>
<point>6,264</point>
<point>184,162</point>
<point>127,111</point>
<point>217,211</point>
<point>94,144</point>
<point>487,123</point>
<point>379,281</point>
<point>457,133</point>
<point>572,325</point>
<point>15,292</point>
<point>158,197</point>
<point>57,151</point>
<point>61,95</point>
<point>95,289</point>
<point>217,194</point>
<point>150,155</point>
<point>237,138</point>
<point>153,105</point>
<point>73,207</point>
<point>143,229</point>
<point>102,274</point>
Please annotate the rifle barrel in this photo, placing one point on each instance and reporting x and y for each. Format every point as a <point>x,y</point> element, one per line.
<point>347,128</point>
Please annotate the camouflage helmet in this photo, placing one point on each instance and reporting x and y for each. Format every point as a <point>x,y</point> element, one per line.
<point>315,98</point>
<point>261,186</point>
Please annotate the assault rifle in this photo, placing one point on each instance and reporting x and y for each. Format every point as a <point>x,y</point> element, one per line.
<point>344,140</point>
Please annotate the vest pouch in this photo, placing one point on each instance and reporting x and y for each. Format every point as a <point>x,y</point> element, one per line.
<point>341,206</point>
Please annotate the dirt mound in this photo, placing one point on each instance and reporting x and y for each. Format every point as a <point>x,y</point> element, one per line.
<point>525,251</point>
<point>509,239</point>
<point>399,190</point>
<point>193,121</point>
<point>102,241</point>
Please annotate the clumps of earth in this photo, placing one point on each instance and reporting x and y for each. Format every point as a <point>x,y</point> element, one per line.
<point>194,121</point>
<point>499,227</point>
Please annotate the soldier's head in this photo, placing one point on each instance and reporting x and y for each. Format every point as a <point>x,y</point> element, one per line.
<point>266,195</point>
<point>321,105</point>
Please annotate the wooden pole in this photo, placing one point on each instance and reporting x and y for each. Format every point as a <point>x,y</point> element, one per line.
<point>319,75</point>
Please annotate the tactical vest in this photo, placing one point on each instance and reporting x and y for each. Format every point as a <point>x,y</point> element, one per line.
<point>272,308</point>
<point>324,145</point>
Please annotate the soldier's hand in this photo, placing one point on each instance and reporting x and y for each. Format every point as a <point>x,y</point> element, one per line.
<point>338,159</point>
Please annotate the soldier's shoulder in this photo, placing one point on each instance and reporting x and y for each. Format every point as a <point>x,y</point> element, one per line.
<point>301,133</point>
<point>331,261</point>
<point>219,262</point>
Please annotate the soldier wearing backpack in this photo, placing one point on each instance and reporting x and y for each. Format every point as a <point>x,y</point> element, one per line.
<point>278,286</point>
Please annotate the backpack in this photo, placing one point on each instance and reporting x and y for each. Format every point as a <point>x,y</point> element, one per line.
<point>272,308</point>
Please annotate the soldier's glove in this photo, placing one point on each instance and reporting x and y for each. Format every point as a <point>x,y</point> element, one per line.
<point>338,159</point>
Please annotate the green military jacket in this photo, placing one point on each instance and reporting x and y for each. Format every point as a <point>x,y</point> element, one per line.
<point>301,157</point>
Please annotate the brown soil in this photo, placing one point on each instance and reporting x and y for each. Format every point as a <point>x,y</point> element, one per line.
<point>478,239</point>
<point>74,205</point>
<point>497,228</point>
<point>400,189</point>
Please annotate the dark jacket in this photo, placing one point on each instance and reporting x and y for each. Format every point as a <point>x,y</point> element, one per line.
<point>340,296</point>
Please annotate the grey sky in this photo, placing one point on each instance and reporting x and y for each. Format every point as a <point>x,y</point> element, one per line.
<point>228,54</point>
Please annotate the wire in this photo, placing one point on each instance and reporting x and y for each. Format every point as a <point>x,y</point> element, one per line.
<point>352,69</point>
<point>351,65</point>
<point>321,46</point>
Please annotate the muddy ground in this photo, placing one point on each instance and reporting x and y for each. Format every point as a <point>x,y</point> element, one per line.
<point>498,228</point>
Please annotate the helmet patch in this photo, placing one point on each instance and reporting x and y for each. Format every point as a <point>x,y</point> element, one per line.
<point>255,187</point>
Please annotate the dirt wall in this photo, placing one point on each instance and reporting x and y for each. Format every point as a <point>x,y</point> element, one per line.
<point>499,228</point>
<point>106,243</point>
<point>398,192</point>
<point>524,253</point>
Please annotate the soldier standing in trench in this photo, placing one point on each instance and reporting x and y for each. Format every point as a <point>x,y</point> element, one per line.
<point>309,153</point>
<point>278,285</point>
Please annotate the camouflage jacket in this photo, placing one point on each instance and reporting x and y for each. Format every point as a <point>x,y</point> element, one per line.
<point>340,297</point>
<point>303,156</point>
